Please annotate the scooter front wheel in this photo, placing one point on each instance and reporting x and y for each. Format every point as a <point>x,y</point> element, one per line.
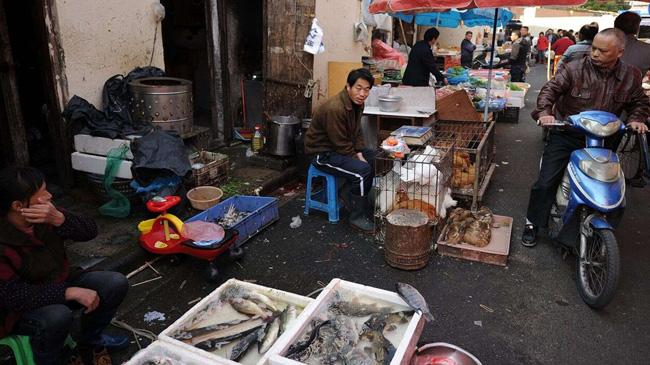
<point>598,271</point>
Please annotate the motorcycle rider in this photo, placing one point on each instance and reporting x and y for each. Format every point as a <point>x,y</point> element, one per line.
<point>598,82</point>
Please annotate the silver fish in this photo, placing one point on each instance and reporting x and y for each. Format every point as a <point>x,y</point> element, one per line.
<point>260,299</point>
<point>221,334</point>
<point>414,299</point>
<point>355,308</point>
<point>289,315</point>
<point>249,307</point>
<point>245,343</point>
<point>271,335</point>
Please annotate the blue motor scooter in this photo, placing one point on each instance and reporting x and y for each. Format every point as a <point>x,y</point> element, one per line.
<point>589,204</point>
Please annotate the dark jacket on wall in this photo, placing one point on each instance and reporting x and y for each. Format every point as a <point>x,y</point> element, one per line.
<point>34,269</point>
<point>580,85</point>
<point>336,127</point>
<point>421,63</point>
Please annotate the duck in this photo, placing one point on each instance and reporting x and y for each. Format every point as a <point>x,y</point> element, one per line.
<point>477,233</point>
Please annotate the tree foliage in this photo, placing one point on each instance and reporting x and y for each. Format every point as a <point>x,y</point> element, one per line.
<point>606,5</point>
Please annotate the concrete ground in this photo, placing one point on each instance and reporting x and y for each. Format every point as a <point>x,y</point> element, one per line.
<point>528,312</point>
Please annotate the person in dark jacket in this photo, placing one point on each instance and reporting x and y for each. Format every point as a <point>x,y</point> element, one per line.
<point>518,57</point>
<point>39,297</point>
<point>583,47</point>
<point>421,62</point>
<point>599,82</point>
<point>335,141</point>
<point>467,50</point>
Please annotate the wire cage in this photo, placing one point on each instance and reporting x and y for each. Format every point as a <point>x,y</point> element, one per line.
<point>420,182</point>
<point>473,156</point>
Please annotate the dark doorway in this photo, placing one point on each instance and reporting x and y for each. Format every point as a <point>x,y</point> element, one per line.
<point>28,63</point>
<point>186,51</point>
<point>244,38</point>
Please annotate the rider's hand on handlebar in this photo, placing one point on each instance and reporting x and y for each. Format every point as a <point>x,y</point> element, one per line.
<point>637,127</point>
<point>547,120</point>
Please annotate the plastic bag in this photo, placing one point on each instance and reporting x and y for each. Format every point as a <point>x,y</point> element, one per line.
<point>395,146</point>
<point>203,232</point>
<point>119,206</point>
<point>314,41</point>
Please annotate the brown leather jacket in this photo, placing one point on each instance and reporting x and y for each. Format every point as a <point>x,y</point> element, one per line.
<point>336,127</point>
<point>580,86</point>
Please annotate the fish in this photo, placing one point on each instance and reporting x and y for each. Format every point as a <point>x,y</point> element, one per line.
<point>289,315</point>
<point>245,343</point>
<point>372,330</point>
<point>357,357</point>
<point>272,332</point>
<point>249,307</point>
<point>230,332</point>
<point>414,299</point>
<point>194,332</point>
<point>354,308</point>
<point>260,299</point>
<point>296,349</point>
<point>396,318</point>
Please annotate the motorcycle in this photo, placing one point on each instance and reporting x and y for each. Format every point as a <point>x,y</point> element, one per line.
<point>588,205</point>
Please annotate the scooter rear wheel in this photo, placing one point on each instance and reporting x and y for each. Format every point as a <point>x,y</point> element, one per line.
<point>598,272</point>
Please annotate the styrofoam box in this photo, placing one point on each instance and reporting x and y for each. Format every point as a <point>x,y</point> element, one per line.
<point>97,165</point>
<point>516,94</point>
<point>405,349</point>
<point>176,354</point>
<point>99,145</point>
<point>274,294</point>
<point>515,102</point>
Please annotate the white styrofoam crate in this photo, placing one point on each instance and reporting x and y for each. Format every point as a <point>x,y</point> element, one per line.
<point>274,294</point>
<point>515,102</point>
<point>405,349</point>
<point>97,165</point>
<point>176,354</point>
<point>99,145</point>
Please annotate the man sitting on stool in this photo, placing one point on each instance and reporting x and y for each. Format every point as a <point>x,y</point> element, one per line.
<point>335,141</point>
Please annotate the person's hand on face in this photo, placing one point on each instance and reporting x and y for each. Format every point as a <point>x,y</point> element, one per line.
<point>43,212</point>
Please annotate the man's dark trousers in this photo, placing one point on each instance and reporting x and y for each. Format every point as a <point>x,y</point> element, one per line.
<point>49,326</point>
<point>357,173</point>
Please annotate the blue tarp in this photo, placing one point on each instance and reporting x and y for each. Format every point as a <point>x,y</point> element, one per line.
<point>452,18</point>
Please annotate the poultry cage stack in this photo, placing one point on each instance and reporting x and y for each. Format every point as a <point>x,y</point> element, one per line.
<point>420,182</point>
<point>473,156</point>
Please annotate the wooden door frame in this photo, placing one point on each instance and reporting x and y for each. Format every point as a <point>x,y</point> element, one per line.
<point>217,63</point>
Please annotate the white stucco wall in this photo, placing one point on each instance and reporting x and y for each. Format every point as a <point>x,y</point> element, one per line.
<point>541,24</point>
<point>104,38</point>
<point>337,17</point>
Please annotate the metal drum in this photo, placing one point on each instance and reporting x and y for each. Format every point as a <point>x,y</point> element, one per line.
<point>166,102</point>
<point>281,135</point>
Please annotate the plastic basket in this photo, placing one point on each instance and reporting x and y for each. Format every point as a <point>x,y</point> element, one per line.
<point>215,169</point>
<point>263,212</point>
<point>508,115</point>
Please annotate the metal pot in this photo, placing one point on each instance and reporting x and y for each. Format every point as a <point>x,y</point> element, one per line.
<point>390,103</point>
<point>281,135</point>
<point>166,102</point>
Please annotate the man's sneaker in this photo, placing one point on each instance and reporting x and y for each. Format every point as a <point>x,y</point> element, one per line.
<point>529,237</point>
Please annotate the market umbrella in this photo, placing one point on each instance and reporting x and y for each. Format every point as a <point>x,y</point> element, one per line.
<point>452,18</point>
<point>426,6</point>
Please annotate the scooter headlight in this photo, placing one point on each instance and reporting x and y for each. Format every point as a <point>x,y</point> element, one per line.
<point>600,130</point>
<point>602,171</point>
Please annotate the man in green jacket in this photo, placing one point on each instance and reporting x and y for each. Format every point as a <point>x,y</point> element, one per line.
<point>335,142</point>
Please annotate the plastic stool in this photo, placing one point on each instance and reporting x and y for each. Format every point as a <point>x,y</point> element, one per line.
<point>331,206</point>
<point>22,349</point>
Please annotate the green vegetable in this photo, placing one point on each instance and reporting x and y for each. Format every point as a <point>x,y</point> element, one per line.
<point>514,87</point>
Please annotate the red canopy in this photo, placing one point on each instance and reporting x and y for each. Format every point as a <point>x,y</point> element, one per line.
<point>425,6</point>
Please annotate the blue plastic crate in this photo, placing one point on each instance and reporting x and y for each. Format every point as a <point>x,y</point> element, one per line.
<point>264,211</point>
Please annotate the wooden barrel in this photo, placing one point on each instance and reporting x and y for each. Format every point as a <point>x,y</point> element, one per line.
<point>407,244</point>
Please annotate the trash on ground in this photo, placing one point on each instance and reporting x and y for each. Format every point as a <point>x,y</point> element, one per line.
<point>154,316</point>
<point>295,222</point>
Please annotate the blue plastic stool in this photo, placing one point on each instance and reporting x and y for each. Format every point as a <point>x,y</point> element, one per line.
<point>331,205</point>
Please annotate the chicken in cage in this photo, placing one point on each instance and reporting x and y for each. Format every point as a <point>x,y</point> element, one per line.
<point>421,183</point>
